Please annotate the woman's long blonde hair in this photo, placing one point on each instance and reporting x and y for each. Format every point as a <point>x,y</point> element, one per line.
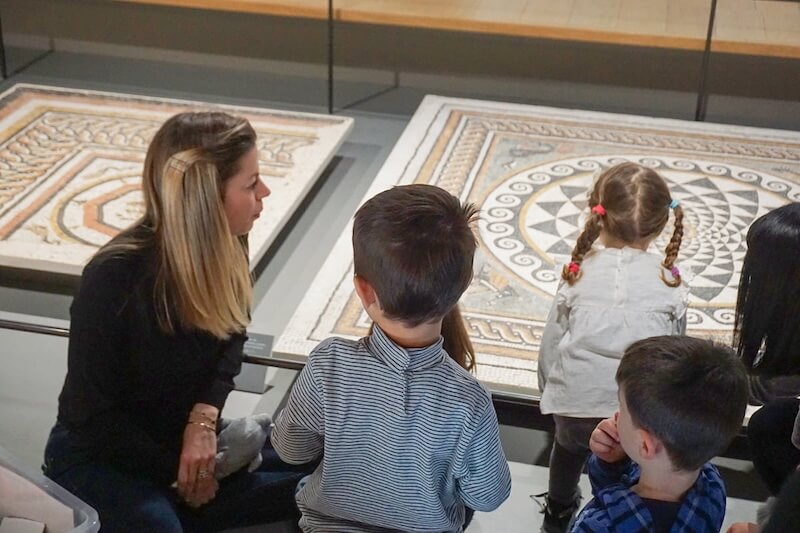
<point>202,276</point>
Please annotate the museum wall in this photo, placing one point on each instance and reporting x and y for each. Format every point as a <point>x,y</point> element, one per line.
<point>376,50</point>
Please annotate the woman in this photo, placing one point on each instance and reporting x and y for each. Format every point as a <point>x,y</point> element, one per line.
<point>156,336</point>
<point>768,340</point>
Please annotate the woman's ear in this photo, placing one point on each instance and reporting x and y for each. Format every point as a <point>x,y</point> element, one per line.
<point>365,291</point>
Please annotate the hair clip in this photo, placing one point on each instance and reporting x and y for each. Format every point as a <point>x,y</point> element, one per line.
<point>178,164</point>
<point>675,271</point>
<point>599,209</point>
<point>574,267</point>
<point>673,204</point>
<point>181,161</point>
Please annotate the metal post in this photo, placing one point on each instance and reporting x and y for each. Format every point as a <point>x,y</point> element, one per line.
<point>702,96</point>
<point>3,66</point>
<point>330,57</point>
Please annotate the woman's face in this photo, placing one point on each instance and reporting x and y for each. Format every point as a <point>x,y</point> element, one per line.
<point>243,193</point>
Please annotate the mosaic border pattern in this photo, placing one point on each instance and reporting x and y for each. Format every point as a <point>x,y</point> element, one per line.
<point>484,152</point>
<point>70,168</point>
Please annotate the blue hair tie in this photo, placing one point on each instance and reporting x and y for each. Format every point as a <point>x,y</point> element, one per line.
<point>673,204</point>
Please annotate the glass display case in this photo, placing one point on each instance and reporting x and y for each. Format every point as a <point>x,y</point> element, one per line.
<point>493,95</point>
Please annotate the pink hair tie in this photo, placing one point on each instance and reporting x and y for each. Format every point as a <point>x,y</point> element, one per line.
<point>599,209</point>
<point>676,273</point>
<point>574,267</point>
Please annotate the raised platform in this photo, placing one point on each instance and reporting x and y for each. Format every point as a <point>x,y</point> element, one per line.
<point>71,164</point>
<point>528,169</point>
<point>520,513</point>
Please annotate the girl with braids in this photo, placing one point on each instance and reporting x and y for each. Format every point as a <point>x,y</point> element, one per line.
<point>156,336</point>
<point>610,296</point>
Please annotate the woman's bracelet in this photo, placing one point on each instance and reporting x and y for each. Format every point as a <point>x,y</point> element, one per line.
<point>203,417</point>
<point>209,427</point>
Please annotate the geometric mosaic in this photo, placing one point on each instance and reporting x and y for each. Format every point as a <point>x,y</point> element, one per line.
<point>71,163</point>
<point>529,169</point>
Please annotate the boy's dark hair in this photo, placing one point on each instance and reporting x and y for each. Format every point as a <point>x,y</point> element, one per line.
<point>414,244</point>
<point>690,393</point>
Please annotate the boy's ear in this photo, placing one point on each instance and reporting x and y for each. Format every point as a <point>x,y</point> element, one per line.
<point>365,291</point>
<point>649,445</point>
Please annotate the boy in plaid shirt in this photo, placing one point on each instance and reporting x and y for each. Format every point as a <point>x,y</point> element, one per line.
<point>682,400</point>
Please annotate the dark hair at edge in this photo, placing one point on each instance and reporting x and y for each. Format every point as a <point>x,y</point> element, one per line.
<point>690,393</point>
<point>768,301</point>
<point>415,246</point>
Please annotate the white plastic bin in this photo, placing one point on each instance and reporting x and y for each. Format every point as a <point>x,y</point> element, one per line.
<point>30,495</point>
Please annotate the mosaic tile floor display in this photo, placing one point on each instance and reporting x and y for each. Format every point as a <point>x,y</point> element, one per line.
<point>71,163</point>
<point>528,169</point>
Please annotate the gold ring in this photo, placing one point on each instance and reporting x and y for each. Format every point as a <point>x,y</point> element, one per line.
<point>202,474</point>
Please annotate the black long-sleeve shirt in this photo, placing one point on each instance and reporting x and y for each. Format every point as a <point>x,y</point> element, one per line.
<point>129,386</point>
<point>765,389</point>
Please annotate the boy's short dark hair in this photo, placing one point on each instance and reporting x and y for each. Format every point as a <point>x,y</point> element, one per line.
<point>414,244</point>
<point>690,393</point>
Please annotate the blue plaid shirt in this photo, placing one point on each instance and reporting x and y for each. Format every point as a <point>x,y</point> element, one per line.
<point>616,508</point>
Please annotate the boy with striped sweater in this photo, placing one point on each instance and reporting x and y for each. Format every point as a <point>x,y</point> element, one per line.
<point>408,437</point>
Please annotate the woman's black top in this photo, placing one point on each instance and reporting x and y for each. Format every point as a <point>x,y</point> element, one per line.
<point>129,386</point>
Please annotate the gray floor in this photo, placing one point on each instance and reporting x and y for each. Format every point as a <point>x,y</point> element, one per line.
<point>34,365</point>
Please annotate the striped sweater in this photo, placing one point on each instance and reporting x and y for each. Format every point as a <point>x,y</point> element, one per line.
<point>407,438</point>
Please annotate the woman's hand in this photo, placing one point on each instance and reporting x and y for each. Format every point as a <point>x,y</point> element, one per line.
<point>196,482</point>
<point>604,442</point>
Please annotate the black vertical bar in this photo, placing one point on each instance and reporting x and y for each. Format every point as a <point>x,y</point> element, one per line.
<point>330,57</point>
<point>702,96</point>
<point>3,66</point>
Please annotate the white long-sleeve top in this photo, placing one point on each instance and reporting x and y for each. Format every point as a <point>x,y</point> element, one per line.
<point>618,300</point>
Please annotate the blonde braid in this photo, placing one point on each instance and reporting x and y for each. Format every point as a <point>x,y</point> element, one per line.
<point>672,250</point>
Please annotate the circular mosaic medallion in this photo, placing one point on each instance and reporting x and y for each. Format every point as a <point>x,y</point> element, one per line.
<point>95,213</point>
<point>530,222</point>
